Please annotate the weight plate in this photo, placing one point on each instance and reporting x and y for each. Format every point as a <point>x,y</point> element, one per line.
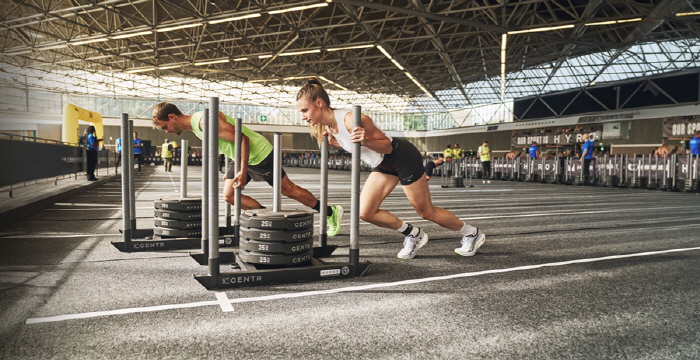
<point>285,219</point>
<point>177,224</point>
<point>254,257</point>
<point>176,215</point>
<point>277,235</point>
<point>174,203</point>
<point>187,233</point>
<point>274,248</point>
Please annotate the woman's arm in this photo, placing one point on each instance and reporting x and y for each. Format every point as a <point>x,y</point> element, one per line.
<point>368,134</point>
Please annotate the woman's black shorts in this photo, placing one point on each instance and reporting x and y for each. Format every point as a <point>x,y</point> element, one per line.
<point>260,172</point>
<point>405,162</point>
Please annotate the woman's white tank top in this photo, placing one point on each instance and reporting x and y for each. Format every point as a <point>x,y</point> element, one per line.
<point>369,156</point>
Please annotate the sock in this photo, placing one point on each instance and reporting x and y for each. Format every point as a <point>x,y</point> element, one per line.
<point>408,229</point>
<point>262,207</point>
<point>467,230</point>
<point>317,207</point>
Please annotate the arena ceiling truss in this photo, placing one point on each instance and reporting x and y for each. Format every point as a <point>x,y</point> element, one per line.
<point>389,55</point>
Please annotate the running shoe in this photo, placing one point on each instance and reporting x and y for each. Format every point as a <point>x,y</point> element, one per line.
<point>411,244</point>
<point>471,243</point>
<point>333,220</point>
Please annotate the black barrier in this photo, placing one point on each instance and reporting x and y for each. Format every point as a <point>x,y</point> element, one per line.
<point>676,172</point>
<point>25,161</point>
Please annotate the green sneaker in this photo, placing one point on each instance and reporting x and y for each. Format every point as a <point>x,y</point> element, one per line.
<point>334,220</point>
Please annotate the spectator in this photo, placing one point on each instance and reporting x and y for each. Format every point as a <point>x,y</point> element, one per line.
<point>586,157</point>
<point>662,151</point>
<point>92,142</point>
<point>456,152</point>
<point>694,144</point>
<point>675,150</point>
<point>484,154</point>
<point>119,155</point>
<point>534,151</point>
<point>431,165</point>
<point>138,146</point>
<point>447,153</point>
<point>511,155</point>
<point>166,152</point>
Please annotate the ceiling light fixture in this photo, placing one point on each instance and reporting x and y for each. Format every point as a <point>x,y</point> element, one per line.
<point>140,70</point>
<point>20,52</point>
<point>504,41</point>
<point>179,27</point>
<point>351,47</point>
<point>383,51</point>
<point>300,52</point>
<point>298,8</point>
<point>549,28</point>
<point>397,64</point>
<point>612,22</point>
<point>83,42</point>
<point>235,18</point>
<point>688,13</point>
<point>334,83</point>
<point>241,59</point>
<point>124,36</point>
<point>201,63</point>
<point>168,67</point>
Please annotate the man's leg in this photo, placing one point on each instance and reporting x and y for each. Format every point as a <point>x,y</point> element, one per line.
<point>334,213</point>
<point>247,202</point>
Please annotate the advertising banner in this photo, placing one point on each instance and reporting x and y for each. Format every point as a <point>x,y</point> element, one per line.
<point>562,135</point>
<point>680,128</point>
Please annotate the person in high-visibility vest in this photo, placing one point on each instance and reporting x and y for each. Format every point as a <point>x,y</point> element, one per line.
<point>447,153</point>
<point>484,154</point>
<point>456,152</point>
<point>166,152</point>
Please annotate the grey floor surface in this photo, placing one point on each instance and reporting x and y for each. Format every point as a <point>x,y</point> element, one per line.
<point>566,273</point>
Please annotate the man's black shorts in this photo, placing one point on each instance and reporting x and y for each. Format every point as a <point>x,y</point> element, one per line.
<point>260,172</point>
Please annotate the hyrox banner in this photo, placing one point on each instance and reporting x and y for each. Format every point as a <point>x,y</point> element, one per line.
<point>562,135</point>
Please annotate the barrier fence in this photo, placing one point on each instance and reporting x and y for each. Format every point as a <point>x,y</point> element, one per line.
<point>675,172</point>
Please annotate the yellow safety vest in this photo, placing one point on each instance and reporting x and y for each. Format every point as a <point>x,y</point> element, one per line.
<point>164,152</point>
<point>457,153</point>
<point>485,153</point>
<point>447,153</point>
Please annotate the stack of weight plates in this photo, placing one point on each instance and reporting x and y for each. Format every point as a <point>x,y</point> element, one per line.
<point>283,238</point>
<point>178,218</point>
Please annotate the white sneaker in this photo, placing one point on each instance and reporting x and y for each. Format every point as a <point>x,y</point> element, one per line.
<point>483,181</point>
<point>488,182</point>
<point>411,244</point>
<point>471,243</point>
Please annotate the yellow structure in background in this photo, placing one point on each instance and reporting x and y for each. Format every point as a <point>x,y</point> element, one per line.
<point>71,115</point>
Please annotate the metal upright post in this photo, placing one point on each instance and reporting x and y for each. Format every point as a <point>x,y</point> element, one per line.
<point>542,179</point>
<point>183,168</point>
<point>656,172</point>
<point>674,167</point>
<point>237,191</point>
<point>213,157</point>
<point>131,175</point>
<point>322,226</point>
<point>126,184</point>
<point>228,206</point>
<point>205,182</point>
<point>277,174</point>
<point>355,194</point>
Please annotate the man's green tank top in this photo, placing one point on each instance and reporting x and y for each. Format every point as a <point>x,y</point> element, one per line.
<point>260,148</point>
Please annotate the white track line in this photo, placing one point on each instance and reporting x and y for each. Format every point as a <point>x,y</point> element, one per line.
<point>344,289</point>
<point>224,302</point>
